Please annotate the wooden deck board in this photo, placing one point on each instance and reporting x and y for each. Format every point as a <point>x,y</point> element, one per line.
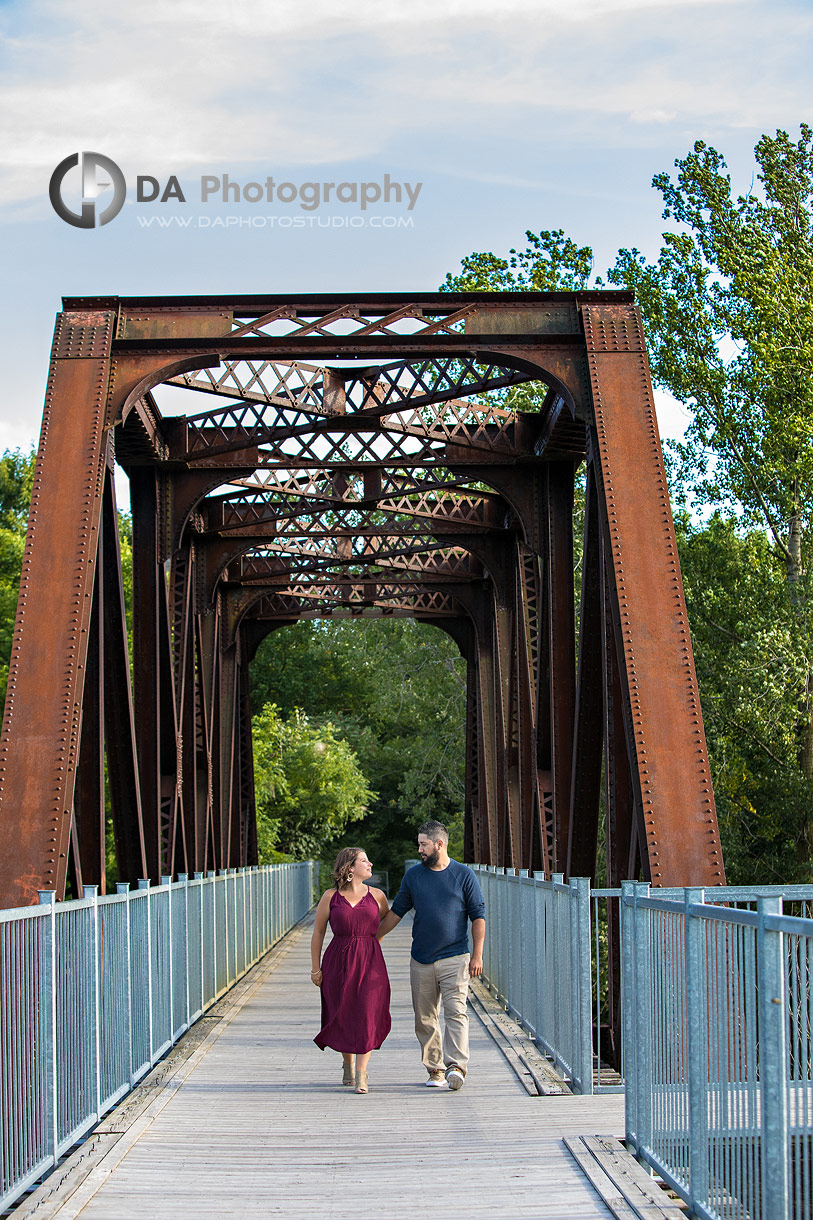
<point>261,1126</point>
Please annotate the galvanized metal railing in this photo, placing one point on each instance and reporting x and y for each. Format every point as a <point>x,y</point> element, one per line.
<point>719,1050</point>
<point>537,961</point>
<point>550,954</point>
<point>93,992</point>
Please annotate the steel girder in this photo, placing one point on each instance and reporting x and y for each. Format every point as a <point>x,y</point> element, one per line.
<point>364,459</point>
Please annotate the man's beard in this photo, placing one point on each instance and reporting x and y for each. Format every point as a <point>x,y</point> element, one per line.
<point>431,859</point>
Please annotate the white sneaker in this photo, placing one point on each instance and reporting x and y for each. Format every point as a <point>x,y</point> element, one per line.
<point>436,1079</point>
<point>455,1078</point>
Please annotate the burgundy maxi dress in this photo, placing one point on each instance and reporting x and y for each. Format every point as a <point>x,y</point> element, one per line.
<point>355,984</point>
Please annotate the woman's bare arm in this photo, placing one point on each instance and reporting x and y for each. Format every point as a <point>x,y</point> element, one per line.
<point>383,905</point>
<point>317,940</point>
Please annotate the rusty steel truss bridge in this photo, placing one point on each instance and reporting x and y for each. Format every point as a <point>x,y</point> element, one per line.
<point>379,455</point>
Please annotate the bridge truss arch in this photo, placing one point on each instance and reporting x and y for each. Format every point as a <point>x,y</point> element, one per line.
<point>374,456</point>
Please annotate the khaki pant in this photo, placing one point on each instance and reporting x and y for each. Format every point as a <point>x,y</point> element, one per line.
<point>447,981</point>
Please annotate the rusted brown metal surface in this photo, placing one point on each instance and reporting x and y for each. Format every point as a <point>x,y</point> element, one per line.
<point>351,458</point>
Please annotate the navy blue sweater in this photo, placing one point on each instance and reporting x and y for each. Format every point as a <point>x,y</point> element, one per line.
<point>444,901</point>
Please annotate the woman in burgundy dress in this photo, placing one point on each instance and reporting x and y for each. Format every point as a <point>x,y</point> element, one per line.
<point>352,974</point>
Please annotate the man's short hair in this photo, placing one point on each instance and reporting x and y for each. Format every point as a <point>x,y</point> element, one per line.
<point>434,831</point>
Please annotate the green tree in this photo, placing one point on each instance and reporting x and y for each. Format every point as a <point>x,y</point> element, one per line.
<point>549,262</point>
<point>395,691</point>
<point>749,668</point>
<point>308,784</point>
<point>16,476</point>
<point>728,311</point>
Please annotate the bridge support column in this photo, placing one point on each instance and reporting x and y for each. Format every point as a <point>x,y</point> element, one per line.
<point>675,823</point>
<point>40,743</point>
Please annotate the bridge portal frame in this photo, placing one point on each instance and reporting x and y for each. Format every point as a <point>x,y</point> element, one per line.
<point>466,511</point>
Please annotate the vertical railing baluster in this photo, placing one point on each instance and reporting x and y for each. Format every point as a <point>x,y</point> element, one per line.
<point>581,984</point>
<point>183,879</point>
<point>144,884</point>
<point>773,1063</point>
<point>637,1017</point>
<point>123,890</point>
<point>47,927</point>
<point>166,883</point>
<point>92,892</point>
<point>539,956</point>
<point>697,1028</point>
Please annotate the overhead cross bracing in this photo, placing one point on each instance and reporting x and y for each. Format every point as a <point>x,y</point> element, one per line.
<point>380,456</point>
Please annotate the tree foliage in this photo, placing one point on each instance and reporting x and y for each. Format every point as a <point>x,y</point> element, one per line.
<point>308,784</point>
<point>728,311</point>
<point>728,308</point>
<point>16,476</point>
<point>550,262</point>
<point>394,690</point>
<point>749,669</point>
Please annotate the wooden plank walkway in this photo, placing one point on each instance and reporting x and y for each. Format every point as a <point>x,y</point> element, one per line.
<point>256,1123</point>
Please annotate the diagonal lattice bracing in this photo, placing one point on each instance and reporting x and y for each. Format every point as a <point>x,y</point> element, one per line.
<point>248,514</point>
<point>348,319</point>
<point>280,403</point>
<point>335,390</point>
<point>367,485</point>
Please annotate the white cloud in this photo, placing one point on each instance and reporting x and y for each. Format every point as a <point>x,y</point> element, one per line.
<point>182,86</point>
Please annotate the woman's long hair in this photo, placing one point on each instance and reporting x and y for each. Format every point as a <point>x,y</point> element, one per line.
<point>344,866</point>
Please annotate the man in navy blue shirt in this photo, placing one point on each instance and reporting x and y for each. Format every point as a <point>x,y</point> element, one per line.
<point>445,895</point>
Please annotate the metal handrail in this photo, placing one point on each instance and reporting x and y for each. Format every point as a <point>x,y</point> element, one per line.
<point>94,991</point>
<point>719,1050</point>
<point>537,961</point>
<point>548,952</point>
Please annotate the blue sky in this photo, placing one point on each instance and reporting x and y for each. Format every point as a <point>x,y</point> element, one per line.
<point>531,114</point>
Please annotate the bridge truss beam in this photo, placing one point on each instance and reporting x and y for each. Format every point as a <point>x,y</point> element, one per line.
<point>379,456</point>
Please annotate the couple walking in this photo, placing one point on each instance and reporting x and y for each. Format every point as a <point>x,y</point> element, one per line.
<point>352,975</point>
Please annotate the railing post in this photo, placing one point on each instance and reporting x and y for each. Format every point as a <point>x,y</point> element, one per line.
<point>166,883</point>
<point>773,1063</point>
<point>637,1003</point>
<point>697,1067</point>
<point>540,972</point>
<point>48,930</point>
<point>581,984</point>
<point>512,942</point>
<point>92,891</point>
<point>246,921</point>
<point>561,944</point>
<point>499,956</point>
<point>210,876</point>
<point>201,888</point>
<point>224,873</point>
<point>144,884</point>
<point>183,878</point>
<point>235,971</point>
<point>123,890</point>
<point>265,934</point>
<point>525,950</point>
<point>627,921</point>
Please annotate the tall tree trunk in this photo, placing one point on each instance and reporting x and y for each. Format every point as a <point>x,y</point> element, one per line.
<point>795,570</point>
<point>805,758</point>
